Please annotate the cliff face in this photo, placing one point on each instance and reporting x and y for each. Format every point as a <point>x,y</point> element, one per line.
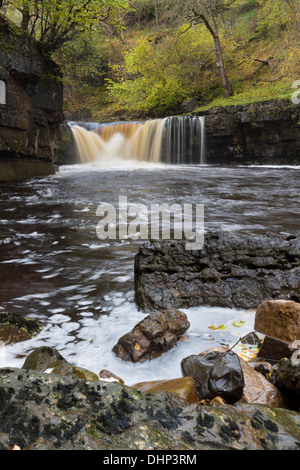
<point>258,133</point>
<point>31,103</point>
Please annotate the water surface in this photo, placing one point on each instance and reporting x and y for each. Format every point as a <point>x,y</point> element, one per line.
<point>54,268</point>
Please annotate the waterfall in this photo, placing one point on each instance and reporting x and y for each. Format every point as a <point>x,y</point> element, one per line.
<point>172,140</point>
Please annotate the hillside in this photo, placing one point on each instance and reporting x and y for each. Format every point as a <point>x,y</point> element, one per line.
<point>158,60</point>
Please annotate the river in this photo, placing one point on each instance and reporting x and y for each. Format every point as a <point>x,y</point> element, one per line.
<point>54,267</point>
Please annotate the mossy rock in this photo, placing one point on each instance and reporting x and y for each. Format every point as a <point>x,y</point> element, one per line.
<point>15,328</point>
<point>44,358</point>
<point>75,372</point>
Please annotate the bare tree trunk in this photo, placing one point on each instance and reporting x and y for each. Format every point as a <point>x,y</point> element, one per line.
<point>221,67</point>
<point>156,2</point>
<point>213,29</point>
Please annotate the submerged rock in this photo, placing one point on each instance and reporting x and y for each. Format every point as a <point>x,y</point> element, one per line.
<point>155,334</point>
<point>15,328</point>
<point>47,412</point>
<point>231,270</point>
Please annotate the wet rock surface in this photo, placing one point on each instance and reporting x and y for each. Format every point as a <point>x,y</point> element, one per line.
<point>231,270</point>
<point>217,373</point>
<point>45,411</point>
<point>155,334</point>
<point>32,111</point>
<point>257,133</point>
<point>15,328</point>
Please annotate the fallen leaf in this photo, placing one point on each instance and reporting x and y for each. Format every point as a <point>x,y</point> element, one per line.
<point>184,338</point>
<point>238,324</point>
<point>220,327</point>
<point>137,347</point>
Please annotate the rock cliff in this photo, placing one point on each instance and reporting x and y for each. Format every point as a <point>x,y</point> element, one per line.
<point>258,133</point>
<point>31,103</point>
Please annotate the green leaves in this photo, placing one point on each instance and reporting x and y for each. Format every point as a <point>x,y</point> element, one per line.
<point>53,23</point>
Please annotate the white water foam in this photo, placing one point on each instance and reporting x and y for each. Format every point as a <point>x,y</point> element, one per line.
<point>95,338</point>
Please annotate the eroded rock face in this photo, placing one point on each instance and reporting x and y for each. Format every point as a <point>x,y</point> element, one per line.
<point>232,270</point>
<point>48,412</point>
<point>155,334</point>
<point>258,133</point>
<point>30,108</point>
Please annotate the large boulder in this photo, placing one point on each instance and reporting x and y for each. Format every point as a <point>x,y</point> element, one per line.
<point>279,319</point>
<point>155,334</point>
<point>231,270</point>
<point>41,411</point>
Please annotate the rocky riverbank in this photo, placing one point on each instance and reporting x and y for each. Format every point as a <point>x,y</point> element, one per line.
<point>221,402</point>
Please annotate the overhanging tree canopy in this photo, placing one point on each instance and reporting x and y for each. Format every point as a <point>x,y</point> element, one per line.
<point>53,23</point>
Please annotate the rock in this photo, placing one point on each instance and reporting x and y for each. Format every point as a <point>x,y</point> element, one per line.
<point>279,319</point>
<point>287,375</point>
<point>272,349</point>
<point>31,108</point>
<point>184,387</point>
<point>190,105</point>
<point>258,389</point>
<point>217,373</point>
<point>257,133</point>
<point>15,328</point>
<point>74,371</point>
<point>244,271</point>
<point>105,374</point>
<point>44,358</point>
<point>263,367</point>
<point>45,411</point>
<point>155,334</point>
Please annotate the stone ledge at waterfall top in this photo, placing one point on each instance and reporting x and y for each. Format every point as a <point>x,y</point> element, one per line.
<point>258,133</point>
<point>232,270</point>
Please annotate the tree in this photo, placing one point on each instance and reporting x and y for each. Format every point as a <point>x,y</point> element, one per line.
<point>53,23</point>
<point>207,12</point>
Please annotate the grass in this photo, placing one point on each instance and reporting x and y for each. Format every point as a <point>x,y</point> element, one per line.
<point>253,94</point>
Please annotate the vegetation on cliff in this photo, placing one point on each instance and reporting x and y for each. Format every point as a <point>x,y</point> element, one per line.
<point>144,58</point>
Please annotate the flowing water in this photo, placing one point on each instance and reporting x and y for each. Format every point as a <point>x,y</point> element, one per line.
<point>54,268</point>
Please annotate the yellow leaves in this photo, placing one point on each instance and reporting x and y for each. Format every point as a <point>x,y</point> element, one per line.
<point>137,347</point>
<point>220,327</point>
<point>236,324</point>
